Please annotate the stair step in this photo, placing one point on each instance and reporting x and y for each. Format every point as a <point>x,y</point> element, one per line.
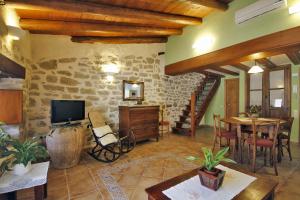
<point>182,131</point>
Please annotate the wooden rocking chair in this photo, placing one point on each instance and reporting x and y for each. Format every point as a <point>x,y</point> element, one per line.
<point>109,145</point>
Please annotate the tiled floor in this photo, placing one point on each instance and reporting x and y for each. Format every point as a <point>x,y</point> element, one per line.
<point>83,182</point>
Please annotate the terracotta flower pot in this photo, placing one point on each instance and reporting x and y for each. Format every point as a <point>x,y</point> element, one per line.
<point>211,179</point>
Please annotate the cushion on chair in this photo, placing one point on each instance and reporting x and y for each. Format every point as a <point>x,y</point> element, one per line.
<point>108,139</point>
<point>228,134</point>
<point>261,142</point>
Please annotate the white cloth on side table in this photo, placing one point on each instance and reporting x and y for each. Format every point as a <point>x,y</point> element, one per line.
<point>191,189</point>
<point>35,177</point>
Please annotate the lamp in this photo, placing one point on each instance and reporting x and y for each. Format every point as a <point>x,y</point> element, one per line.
<point>255,69</point>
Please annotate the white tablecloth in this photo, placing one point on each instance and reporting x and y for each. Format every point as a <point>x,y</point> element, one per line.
<point>35,177</point>
<point>191,189</point>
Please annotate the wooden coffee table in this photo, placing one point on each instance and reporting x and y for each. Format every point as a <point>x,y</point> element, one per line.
<point>261,188</point>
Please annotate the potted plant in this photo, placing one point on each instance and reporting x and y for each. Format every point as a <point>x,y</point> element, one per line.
<point>254,110</point>
<point>19,154</point>
<point>210,176</point>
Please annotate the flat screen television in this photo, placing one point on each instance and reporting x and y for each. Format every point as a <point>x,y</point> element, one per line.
<point>67,111</point>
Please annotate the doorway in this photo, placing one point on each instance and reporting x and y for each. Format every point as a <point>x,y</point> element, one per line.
<point>232,87</point>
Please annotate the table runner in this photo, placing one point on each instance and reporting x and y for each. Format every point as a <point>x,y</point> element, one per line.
<point>191,189</point>
<point>36,176</point>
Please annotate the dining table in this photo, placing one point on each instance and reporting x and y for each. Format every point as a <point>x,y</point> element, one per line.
<point>264,125</point>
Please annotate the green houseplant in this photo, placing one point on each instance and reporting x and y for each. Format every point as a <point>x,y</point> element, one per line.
<point>209,175</point>
<point>19,154</point>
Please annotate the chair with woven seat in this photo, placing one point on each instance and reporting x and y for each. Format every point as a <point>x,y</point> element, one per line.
<point>284,136</point>
<point>220,133</point>
<point>270,143</point>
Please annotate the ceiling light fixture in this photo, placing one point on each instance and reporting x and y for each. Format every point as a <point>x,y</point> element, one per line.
<point>255,69</point>
<point>294,9</point>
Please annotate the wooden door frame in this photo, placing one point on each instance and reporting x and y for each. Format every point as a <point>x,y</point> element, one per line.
<point>225,95</point>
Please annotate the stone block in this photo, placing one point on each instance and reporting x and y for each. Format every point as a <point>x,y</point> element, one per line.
<point>87,91</point>
<point>72,89</point>
<point>68,81</point>
<point>81,75</point>
<point>66,60</point>
<point>48,65</point>
<point>54,88</point>
<point>64,72</point>
<point>51,78</point>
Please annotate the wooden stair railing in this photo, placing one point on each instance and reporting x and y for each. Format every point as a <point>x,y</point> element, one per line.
<point>196,108</point>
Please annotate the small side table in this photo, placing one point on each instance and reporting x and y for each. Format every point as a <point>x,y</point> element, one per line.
<point>36,178</point>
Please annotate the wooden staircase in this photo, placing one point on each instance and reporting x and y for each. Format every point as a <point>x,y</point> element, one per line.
<point>195,110</point>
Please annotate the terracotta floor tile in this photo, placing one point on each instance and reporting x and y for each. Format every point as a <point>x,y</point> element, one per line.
<point>80,183</point>
<point>83,181</point>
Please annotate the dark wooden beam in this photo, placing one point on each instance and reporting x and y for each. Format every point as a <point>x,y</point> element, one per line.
<point>84,12</point>
<point>266,62</point>
<point>210,3</point>
<point>120,40</point>
<point>262,47</point>
<point>91,29</point>
<point>9,68</point>
<point>207,73</point>
<point>241,66</point>
<point>294,56</point>
<point>225,71</point>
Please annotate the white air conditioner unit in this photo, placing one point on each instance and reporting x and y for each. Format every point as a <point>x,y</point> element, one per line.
<point>258,8</point>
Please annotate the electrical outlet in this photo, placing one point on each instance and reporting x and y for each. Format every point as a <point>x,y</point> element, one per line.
<point>295,113</point>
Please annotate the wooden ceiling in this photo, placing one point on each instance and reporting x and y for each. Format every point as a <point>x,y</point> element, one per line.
<point>260,49</point>
<point>113,21</point>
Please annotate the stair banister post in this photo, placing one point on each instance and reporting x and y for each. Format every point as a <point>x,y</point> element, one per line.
<point>193,114</point>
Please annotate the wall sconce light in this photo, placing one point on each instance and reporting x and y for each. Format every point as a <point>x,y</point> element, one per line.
<point>204,43</point>
<point>110,68</point>
<point>294,9</point>
<point>14,33</point>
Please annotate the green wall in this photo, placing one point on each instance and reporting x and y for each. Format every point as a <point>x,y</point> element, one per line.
<point>221,27</point>
<point>216,106</point>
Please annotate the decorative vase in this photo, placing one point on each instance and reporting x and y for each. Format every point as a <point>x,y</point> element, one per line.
<point>211,179</point>
<point>65,145</point>
<point>20,169</point>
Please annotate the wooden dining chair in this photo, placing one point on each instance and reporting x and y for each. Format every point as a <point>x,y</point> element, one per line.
<point>220,133</point>
<point>266,143</point>
<point>284,136</point>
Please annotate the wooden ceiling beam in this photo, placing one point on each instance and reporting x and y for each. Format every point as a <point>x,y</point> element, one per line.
<point>120,40</point>
<point>210,3</point>
<point>294,56</point>
<point>266,62</point>
<point>262,47</point>
<point>84,11</point>
<point>241,66</point>
<point>207,73</point>
<point>225,71</point>
<point>91,29</point>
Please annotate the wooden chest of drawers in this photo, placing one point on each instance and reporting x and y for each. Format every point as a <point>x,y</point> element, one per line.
<point>143,120</point>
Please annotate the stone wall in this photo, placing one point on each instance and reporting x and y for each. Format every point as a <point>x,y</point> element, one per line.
<point>74,76</point>
<point>80,78</point>
<point>18,51</point>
